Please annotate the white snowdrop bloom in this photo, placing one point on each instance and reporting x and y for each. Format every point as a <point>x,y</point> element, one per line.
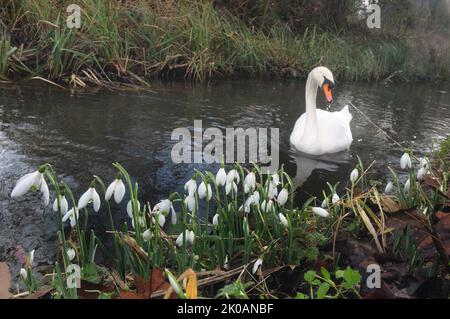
<point>283,197</point>
<point>389,187</point>
<point>31,181</point>
<point>23,273</point>
<point>161,219</point>
<point>319,211</point>
<point>117,188</point>
<point>190,186</point>
<point>190,237</point>
<point>407,186</point>
<point>232,176</point>
<point>147,235</point>
<point>72,215</point>
<point>273,190</point>
<point>130,208</point>
<point>256,265</point>
<point>71,254</point>
<point>405,161</point>
<point>221,177</point>
<point>267,206</point>
<point>324,203</point>
<point>190,203</point>
<point>63,203</point>
<point>90,195</point>
<point>256,198</point>
<point>215,220</point>
<point>335,198</point>
<point>140,220</point>
<point>204,191</point>
<point>425,163</point>
<point>230,186</point>
<point>250,182</point>
<point>31,257</point>
<point>354,175</point>
<point>283,220</point>
<point>421,173</point>
<point>174,283</point>
<point>275,179</point>
<point>226,265</point>
<point>166,206</point>
<point>246,210</point>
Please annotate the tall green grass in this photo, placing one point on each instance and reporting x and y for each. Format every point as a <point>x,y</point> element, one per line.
<point>135,41</point>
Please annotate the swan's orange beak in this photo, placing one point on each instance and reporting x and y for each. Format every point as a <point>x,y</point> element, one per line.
<point>327,92</point>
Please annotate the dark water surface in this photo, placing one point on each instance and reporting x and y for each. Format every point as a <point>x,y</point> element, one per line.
<point>83,133</point>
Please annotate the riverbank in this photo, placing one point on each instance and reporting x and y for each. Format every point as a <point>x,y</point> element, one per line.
<point>134,42</point>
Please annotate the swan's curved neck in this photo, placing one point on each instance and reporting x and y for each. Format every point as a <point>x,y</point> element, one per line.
<point>310,97</point>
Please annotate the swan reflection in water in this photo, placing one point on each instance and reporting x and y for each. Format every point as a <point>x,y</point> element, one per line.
<point>306,164</point>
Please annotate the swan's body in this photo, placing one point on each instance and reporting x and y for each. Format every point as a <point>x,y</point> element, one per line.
<point>319,132</point>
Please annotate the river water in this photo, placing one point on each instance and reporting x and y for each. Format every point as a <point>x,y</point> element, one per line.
<point>82,133</point>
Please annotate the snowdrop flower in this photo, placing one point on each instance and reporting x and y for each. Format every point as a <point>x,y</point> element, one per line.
<point>232,176</point>
<point>63,203</point>
<point>71,254</point>
<point>23,274</point>
<point>275,179</point>
<point>166,206</point>
<point>90,195</point>
<point>273,190</point>
<point>407,186</point>
<point>324,203</point>
<point>354,175</point>
<point>389,187</point>
<point>215,220</point>
<point>425,163</point>
<point>190,203</point>
<point>130,208</point>
<point>147,235</point>
<point>256,198</point>
<point>31,258</point>
<point>230,186</point>
<point>335,198</point>
<point>249,182</point>
<point>256,265</point>
<point>202,193</point>
<point>72,214</point>
<point>405,161</point>
<point>283,220</point>
<point>283,197</point>
<point>161,219</point>
<point>190,237</point>
<point>221,177</point>
<point>174,283</point>
<point>421,173</point>
<point>140,220</point>
<point>267,206</point>
<point>245,208</point>
<point>191,186</point>
<point>117,188</point>
<point>319,211</point>
<point>30,181</point>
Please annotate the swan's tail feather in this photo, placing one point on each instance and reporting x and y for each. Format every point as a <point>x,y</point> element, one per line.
<point>346,113</point>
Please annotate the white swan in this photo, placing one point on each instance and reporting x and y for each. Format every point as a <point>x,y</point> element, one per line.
<point>319,132</point>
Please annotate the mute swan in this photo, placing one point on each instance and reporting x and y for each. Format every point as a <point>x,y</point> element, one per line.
<point>319,132</point>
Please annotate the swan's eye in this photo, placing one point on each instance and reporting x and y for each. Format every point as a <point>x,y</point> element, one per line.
<point>327,81</point>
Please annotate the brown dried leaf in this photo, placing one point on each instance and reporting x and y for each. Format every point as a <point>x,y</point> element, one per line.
<point>5,281</point>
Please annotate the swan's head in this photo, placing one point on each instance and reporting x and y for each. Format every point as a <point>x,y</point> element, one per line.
<point>324,79</point>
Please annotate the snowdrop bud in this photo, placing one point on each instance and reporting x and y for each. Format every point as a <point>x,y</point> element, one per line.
<point>117,188</point>
<point>190,203</point>
<point>407,186</point>
<point>232,175</point>
<point>204,191</point>
<point>174,283</point>
<point>256,265</point>
<point>71,254</point>
<point>319,211</point>
<point>45,192</point>
<point>215,220</point>
<point>283,197</point>
<point>173,215</point>
<point>405,161</point>
<point>63,204</point>
<point>283,220</point>
<point>389,187</point>
<point>221,177</point>
<point>324,203</point>
<point>245,210</point>
<point>267,206</point>
<point>335,198</point>
<point>273,190</point>
<point>31,257</point>
<point>230,186</point>
<point>191,187</point>
<point>147,235</point>
<point>191,237</point>
<point>23,273</point>
<point>130,208</point>
<point>354,175</point>
<point>421,173</point>
<point>250,182</point>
